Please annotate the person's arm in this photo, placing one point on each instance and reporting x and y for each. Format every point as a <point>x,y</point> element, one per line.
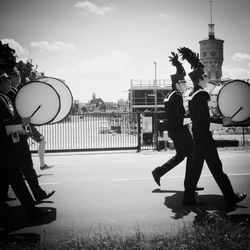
<point>177,109</point>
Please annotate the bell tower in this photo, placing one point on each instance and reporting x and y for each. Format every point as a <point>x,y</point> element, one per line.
<point>211,53</point>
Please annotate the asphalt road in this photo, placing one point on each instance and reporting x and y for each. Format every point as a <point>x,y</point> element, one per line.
<point>114,192</point>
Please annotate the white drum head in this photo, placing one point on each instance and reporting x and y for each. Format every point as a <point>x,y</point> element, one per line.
<point>37,94</point>
<point>235,95</point>
<point>65,96</point>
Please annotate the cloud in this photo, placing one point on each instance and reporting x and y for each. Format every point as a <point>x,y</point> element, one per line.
<point>240,57</point>
<point>94,8</point>
<point>236,73</point>
<point>163,16</point>
<point>57,46</point>
<point>109,66</point>
<point>84,78</point>
<point>20,51</point>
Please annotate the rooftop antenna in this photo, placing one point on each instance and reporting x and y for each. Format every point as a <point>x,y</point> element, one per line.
<point>30,60</point>
<point>211,11</point>
<point>211,25</point>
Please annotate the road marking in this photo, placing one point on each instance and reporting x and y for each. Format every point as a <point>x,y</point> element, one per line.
<point>49,183</point>
<point>175,177</point>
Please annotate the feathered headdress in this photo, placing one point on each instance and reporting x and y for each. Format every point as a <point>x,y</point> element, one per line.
<point>194,61</point>
<point>191,57</point>
<point>180,71</point>
<point>176,63</point>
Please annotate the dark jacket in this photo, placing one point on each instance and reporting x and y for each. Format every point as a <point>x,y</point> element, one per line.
<point>200,116</point>
<point>175,111</point>
<point>7,116</point>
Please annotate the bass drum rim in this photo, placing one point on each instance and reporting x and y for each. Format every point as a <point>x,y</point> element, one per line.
<point>59,101</point>
<point>218,101</point>
<point>70,94</point>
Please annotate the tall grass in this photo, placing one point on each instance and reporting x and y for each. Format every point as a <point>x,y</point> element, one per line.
<point>213,232</point>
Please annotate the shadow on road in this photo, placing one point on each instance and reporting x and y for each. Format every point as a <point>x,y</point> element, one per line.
<point>209,204</point>
<point>13,218</point>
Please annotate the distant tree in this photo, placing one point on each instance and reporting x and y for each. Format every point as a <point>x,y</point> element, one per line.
<point>84,109</point>
<point>28,71</point>
<point>7,58</point>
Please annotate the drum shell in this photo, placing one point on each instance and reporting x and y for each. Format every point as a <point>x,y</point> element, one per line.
<point>233,100</point>
<point>65,96</point>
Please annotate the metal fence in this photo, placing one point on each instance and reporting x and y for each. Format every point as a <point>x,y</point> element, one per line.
<point>92,131</point>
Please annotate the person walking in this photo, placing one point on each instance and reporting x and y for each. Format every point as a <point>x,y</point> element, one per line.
<point>177,131</point>
<point>11,157</point>
<point>26,162</point>
<point>204,145</point>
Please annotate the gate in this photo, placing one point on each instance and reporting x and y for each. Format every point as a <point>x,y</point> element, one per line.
<point>92,131</point>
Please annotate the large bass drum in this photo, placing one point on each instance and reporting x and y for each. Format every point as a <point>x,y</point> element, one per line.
<point>232,100</point>
<point>38,100</point>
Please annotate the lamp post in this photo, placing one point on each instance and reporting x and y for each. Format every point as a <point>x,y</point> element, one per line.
<point>155,86</point>
<point>155,135</point>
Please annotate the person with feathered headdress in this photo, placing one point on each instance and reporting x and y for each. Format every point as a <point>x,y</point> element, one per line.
<point>12,158</point>
<point>175,113</point>
<point>204,144</point>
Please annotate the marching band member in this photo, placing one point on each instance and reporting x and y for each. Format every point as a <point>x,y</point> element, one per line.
<point>10,160</point>
<point>204,144</point>
<point>26,162</point>
<point>178,132</point>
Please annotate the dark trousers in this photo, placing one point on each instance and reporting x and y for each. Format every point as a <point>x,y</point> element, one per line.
<point>20,189</point>
<point>183,144</point>
<point>29,171</point>
<point>26,167</point>
<point>207,152</point>
<point>11,172</point>
<point>4,186</point>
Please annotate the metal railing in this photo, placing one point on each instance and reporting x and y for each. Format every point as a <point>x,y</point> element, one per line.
<point>92,131</point>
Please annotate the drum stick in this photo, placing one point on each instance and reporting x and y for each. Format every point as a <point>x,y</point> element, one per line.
<point>237,112</point>
<point>36,110</point>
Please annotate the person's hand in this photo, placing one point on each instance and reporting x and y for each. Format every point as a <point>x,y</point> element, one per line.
<point>227,121</point>
<point>26,121</point>
<point>21,131</point>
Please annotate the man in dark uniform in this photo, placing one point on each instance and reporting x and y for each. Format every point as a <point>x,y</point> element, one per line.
<point>178,132</point>
<point>26,162</point>
<point>11,157</point>
<point>204,145</point>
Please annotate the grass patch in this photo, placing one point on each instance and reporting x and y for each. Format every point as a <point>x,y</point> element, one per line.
<point>215,231</point>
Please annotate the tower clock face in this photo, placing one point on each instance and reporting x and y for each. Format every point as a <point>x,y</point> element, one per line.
<point>213,53</point>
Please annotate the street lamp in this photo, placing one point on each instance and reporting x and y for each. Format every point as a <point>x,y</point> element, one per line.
<point>155,86</point>
<point>155,136</point>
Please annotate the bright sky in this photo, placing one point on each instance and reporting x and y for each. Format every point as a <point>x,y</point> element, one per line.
<point>99,45</point>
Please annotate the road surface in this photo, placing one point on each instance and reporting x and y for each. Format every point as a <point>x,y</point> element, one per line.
<point>114,192</point>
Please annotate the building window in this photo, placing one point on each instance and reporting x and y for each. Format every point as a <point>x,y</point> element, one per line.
<point>213,53</point>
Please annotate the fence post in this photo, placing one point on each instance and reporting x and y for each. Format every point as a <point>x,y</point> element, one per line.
<point>155,133</point>
<point>139,131</point>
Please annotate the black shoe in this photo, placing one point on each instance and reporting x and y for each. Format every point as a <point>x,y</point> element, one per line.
<point>156,177</point>
<point>45,196</point>
<point>199,188</point>
<point>45,166</point>
<point>237,198</point>
<point>37,213</point>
